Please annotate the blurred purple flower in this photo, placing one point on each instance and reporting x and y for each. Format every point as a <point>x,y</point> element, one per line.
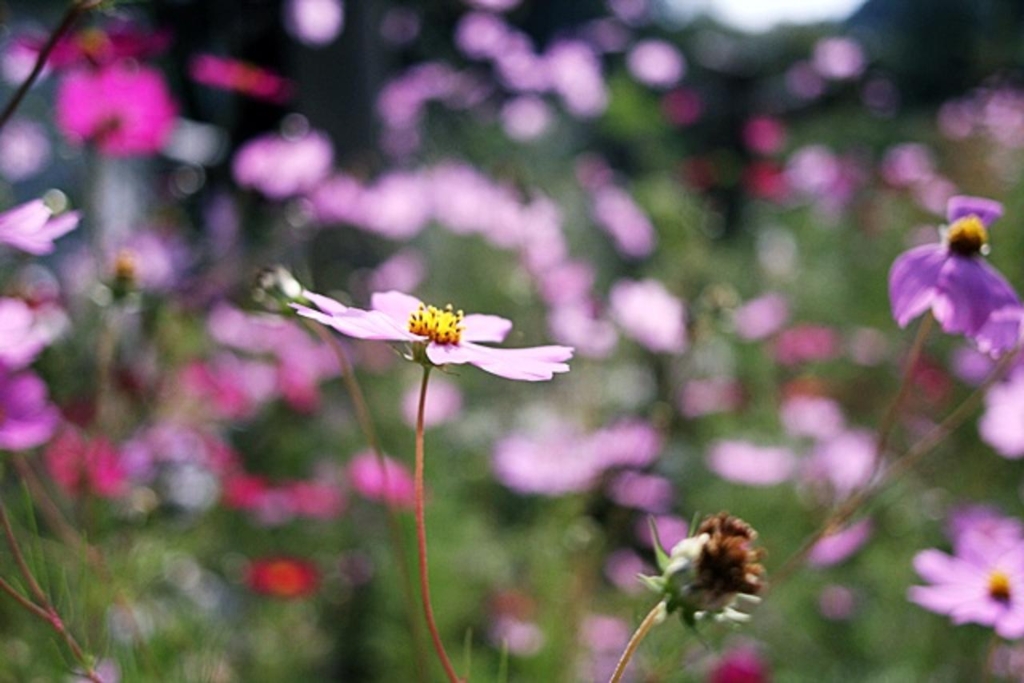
<point>22,337</point>
<point>761,317</point>
<point>444,403</point>
<point>314,22</point>
<point>625,222</point>
<point>844,463</point>
<point>907,164</point>
<point>447,336</point>
<point>27,418</point>
<point>391,483</point>
<point>280,166</point>
<point>24,149</point>
<point>839,58</point>
<point>481,35</point>
<point>970,365</point>
<point>700,397</point>
<point>764,135</point>
<point>32,227</point>
<point>816,417</point>
<point>656,63</point>
<point>526,118</point>
<point>743,462</point>
<point>649,314</point>
<point>840,545</point>
<point>575,74</point>
<point>804,81</point>
<point>1001,426</point>
<point>964,293</point>
<point>836,602</point>
<point>646,492</point>
<point>985,587</point>
<point>124,110</point>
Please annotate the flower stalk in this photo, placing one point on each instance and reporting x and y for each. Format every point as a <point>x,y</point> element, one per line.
<point>653,618</point>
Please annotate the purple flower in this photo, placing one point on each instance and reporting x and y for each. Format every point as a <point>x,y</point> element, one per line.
<point>964,293</point>
<point>656,63</point>
<point>314,22</point>
<point>984,587</point>
<point>283,166</point>
<point>649,314</point>
<point>32,227</point>
<point>27,418</point>
<point>21,335</point>
<point>445,336</point>
<point>745,463</point>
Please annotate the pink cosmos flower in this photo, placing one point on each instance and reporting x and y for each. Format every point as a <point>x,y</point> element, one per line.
<point>27,418</point>
<point>964,293</point>
<point>651,315</point>
<point>280,166</point>
<point>21,335</point>
<point>117,41</point>
<point>616,212</point>
<point>984,586</point>
<point>743,462</point>
<point>840,545</point>
<point>1002,424</point>
<point>443,404</point>
<point>125,110</point>
<point>391,483</point>
<point>817,417</point>
<point>243,77</point>
<point>445,336</point>
<point>761,317</point>
<point>83,465</point>
<point>32,227</point>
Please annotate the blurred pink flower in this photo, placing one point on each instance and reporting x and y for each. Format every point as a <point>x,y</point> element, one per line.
<point>238,76</point>
<point>840,545</point>
<point>649,314</point>
<point>764,134</point>
<point>280,166</point>
<point>32,227</point>
<point>907,164</point>
<point>843,463</point>
<point>119,40</point>
<point>579,326</point>
<point>647,492</point>
<point>622,566</point>
<point>526,118</point>
<point>1001,426</point>
<point>481,35</point>
<point>444,403</point>
<point>839,58</point>
<point>574,70</point>
<point>22,337</point>
<point>27,418</point>
<point>404,270</point>
<point>743,462</point>
<point>227,386</point>
<point>817,417</point>
<point>761,317</point>
<point>671,530</point>
<point>616,212</point>
<point>806,344</point>
<point>391,483</point>
<point>740,665</point>
<point>314,22</point>
<point>983,587</point>
<point>982,526</point>
<point>837,603</point>
<point>656,63</point>
<point>125,110</point>
<point>682,106</point>
<point>700,397</point>
<point>83,465</point>
<point>447,336</point>
<point>24,149</point>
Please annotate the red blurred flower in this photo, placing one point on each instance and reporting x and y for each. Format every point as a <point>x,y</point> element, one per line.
<point>238,76</point>
<point>283,577</point>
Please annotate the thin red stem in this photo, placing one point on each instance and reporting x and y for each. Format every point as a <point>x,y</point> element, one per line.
<point>77,9</point>
<point>421,536</point>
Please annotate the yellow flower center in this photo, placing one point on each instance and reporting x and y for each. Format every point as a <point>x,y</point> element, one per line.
<point>967,236</point>
<point>440,325</point>
<point>999,586</point>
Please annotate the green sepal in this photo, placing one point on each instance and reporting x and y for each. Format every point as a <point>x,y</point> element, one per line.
<point>660,555</point>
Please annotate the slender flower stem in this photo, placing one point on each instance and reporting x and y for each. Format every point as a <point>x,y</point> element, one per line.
<point>889,420</point>
<point>365,421</point>
<point>653,618</point>
<point>77,9</point>
<point>421,535</point>
<point>910,458</point>
<point>44,610</point>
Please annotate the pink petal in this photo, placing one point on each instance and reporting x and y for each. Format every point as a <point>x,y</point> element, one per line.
<point>970,291</point>
<point>360,324</point>
<point>326,303</point>
<point>937,567</point>
<point>529,364</point>
<point>396,305</point>
<point>485,328</point>
<point>913,281</point>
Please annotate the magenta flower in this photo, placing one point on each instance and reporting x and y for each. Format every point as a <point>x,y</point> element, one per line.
<point>249,79</point>
<point>964,293</point>
<point>443,336</point>
<point>84,465</point>
<point>32,227</point>
<point>985,586</point>
<point>27,418</point>
<point>124,110</point>
<point>391,483</point>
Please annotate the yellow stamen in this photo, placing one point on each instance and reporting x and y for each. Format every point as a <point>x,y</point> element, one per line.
<point>967,236</point>
<point>999,586</point>
<point>440,325</point>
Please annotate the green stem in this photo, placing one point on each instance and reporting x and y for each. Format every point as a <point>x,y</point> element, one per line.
<point>365,421</point>
<point>421,536</point>
<point>653,618</point>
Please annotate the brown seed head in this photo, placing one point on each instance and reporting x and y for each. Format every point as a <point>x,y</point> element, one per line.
<point>728,564</point>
